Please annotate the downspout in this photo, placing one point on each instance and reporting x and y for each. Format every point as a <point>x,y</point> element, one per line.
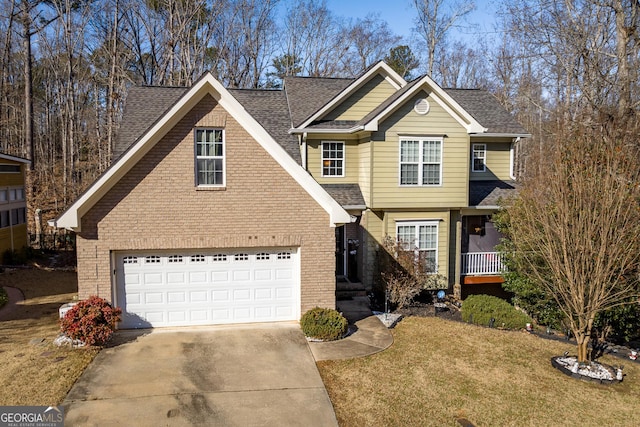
<point>303,150</point>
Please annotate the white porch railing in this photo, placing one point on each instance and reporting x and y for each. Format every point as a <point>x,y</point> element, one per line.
<point>482,263</point>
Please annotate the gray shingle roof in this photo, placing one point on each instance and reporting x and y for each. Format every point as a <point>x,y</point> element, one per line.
<point>307,95</point>
<point>489,193</point>
<point>270,109</point>
<point>144,106</point>
<point>485,108</point>
<point>345,194</point>
<point>333,124</point>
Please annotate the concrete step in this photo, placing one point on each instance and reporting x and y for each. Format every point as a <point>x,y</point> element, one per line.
<point>349,286</point>
<point>345,295</point>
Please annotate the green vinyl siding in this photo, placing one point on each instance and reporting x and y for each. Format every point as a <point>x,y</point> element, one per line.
<point>387,193</point>
<point>497,164</point>
<point>363,100</point>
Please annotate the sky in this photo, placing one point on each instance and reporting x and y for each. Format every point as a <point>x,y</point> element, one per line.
<point>400,15</point>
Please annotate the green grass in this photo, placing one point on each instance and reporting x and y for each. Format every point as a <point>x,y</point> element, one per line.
<point>438,371</point>
<point>33,370</point>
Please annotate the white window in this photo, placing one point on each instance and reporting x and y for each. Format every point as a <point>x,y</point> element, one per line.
<point>423,238</point>
<point>420,161</point>
<point>210,157</point>
<point>332,158</point>
<point>478,157</point>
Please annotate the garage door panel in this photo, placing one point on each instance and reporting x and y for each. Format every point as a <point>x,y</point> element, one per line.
<point>196,277</point>
<point>220,296</point>
<point>198,296</point>
<point>153,298</point>
<point>176,297</point>
<point>208,287</point>
<point>151,279</point>
<point>176,278</point>
<point>220,277</point>
<point>263,293</point>
<point>241,275</point>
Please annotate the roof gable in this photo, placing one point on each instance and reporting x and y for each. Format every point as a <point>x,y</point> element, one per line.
<point>379,69</point>
<point>306,95</point>
<point>71,218</point>
<point>437,94</point>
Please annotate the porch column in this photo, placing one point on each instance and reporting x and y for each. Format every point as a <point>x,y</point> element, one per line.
<point>457,287</point>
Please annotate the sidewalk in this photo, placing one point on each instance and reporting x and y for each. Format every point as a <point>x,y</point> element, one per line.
<point>370,337</point>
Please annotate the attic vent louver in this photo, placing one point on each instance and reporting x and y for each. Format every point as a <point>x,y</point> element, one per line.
<point>421,106</point>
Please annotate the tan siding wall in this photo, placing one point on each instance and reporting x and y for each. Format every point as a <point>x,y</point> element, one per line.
<point>364,172</point>
<point>387,193</point>
<point>19,235</point>
<point>18,232</point>
<point>372,223</point>
<point>156,206</point>
<point>351,161</point>
<point>497,163</point>
<point>12,179</point>
<point>363,101</point>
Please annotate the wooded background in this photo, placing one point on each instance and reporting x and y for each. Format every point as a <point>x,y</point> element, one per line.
<point>67,64</point>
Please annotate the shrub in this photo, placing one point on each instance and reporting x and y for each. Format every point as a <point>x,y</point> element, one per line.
<point>4,298</point>
<point>91,321</point>
<point>323,323</point>
<point>485,307</point>
<point>406,272</point>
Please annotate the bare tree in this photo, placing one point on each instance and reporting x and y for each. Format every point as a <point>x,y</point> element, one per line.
<point>370,39</point>
<point>316,38</point>
<point>573,230</point>
<point>435,20</point>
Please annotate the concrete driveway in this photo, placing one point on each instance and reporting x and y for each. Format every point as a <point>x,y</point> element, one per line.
<point>257,375</point>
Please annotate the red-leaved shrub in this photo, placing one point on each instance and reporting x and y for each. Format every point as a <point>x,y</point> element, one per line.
<point>91,321</point>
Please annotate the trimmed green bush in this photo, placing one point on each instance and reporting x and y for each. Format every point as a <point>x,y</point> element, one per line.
<point>480,309</point>
<point>324,324</point>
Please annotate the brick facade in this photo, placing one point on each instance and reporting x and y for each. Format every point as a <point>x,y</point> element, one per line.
<point>156,205</point>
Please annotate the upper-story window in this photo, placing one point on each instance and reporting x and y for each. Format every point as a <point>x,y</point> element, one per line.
<point>210,157</point>
<point>332,158</point>
<point>420,161</point>
<point>478,157</point>
<point>8,168</point>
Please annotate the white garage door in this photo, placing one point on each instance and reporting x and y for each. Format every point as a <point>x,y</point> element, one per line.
<point>207,287</point>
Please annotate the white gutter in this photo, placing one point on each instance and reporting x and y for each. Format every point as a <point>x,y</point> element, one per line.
<point>500,135</point>
<point>355,129</point>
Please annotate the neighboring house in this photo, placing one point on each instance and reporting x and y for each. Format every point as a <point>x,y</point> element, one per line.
<point>227,205</point>
<point>13,205</point>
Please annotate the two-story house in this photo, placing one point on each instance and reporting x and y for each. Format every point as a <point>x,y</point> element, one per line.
<point>413,161</point>
<point>228,205</point>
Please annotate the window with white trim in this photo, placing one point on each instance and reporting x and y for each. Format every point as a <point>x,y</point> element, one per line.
<point>420,161</point>
<point>478,157</point>
<point>332,158</point>
<point>421,236</point>
<point>210,160</point>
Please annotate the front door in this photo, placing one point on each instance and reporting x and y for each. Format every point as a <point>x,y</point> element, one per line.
<point>340,252</point>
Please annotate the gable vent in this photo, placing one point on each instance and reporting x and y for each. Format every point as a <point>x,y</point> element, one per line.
<point>421,106</point>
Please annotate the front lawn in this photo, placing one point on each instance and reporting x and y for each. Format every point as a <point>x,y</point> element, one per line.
<point>32,369</point>
<point>438,371</point>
